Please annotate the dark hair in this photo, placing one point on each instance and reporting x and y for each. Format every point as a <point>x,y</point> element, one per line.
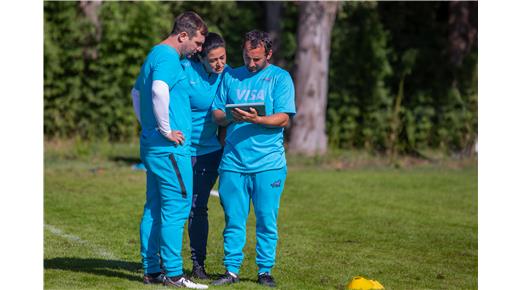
<point>213,40</point>
<point>256,38</point>
<point>189,22</point>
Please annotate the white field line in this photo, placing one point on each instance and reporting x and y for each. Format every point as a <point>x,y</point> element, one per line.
<point>213,192</point>
<point>98,250</point>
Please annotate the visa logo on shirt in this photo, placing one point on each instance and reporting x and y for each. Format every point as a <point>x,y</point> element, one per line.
<point>250,95</point>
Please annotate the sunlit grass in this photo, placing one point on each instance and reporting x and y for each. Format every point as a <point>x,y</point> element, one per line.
<point>413,228</point>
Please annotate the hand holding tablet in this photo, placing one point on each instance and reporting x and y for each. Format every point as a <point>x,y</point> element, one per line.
<point>258,107</point>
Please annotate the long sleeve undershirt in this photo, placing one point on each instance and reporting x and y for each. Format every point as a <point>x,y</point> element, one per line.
<point>161,105</point>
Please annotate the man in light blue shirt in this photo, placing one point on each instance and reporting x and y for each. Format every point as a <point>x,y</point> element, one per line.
<point>162,106</point>
<point>253,165</point>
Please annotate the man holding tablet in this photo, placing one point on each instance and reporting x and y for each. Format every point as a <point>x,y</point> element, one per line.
<point>253,165</point>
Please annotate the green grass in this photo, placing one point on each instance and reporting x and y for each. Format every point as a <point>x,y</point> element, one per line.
<point>411,228</point>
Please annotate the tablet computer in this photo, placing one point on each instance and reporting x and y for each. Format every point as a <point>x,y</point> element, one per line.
<point>259,107</point>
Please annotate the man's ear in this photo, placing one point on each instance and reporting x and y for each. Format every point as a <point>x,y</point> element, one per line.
<point>183,36</point>
<point>269,55</point>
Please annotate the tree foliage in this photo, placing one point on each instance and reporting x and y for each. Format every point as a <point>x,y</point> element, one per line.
<point>87,94</point>
<point>376,49</point>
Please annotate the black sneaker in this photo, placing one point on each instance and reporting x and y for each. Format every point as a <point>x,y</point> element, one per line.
<point>228,278</point>
<point>154,278</point>
<point>266,279</point>
<point>199,272</point>
<point>182,282</point>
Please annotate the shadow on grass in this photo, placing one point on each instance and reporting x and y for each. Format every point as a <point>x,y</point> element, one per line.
<point>216,276</point>
<point>108,268</point>
<point>125,159</point>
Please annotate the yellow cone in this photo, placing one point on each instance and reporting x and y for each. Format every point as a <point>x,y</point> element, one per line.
<point>360,283</point>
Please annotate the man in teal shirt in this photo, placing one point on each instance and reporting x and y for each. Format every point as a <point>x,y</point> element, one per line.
<point>162,106</point>
<point>253,165</point>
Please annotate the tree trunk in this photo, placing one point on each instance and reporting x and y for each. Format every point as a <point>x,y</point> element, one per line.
<point>273,11</point>
<point>463,29</point>
<point>91,10</point>
<point>307,135</point>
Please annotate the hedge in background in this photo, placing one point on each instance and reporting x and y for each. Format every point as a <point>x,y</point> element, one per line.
<point>88,80</point>
<point>376,48</point>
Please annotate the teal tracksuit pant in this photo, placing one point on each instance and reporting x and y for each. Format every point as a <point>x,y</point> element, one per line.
<point>236,190</point>
<point>169,187</point>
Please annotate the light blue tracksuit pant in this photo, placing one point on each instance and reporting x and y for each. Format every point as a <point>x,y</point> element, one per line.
<point>169,187</point>
<point>236,190</point>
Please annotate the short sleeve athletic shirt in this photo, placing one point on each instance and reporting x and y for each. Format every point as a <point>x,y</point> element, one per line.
<point>163,63</point>
<point>203,87</point>
<point>251,147</point>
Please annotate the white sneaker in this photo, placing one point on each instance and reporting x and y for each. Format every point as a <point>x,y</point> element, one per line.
<point>183,282</point>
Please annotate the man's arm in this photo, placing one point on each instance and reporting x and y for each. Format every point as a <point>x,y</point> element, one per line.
<point>274,120</point>
<point>161,104</point>
<point>136,103</point>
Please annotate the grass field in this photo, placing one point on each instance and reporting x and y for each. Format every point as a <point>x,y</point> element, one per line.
<point>409,228</point>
